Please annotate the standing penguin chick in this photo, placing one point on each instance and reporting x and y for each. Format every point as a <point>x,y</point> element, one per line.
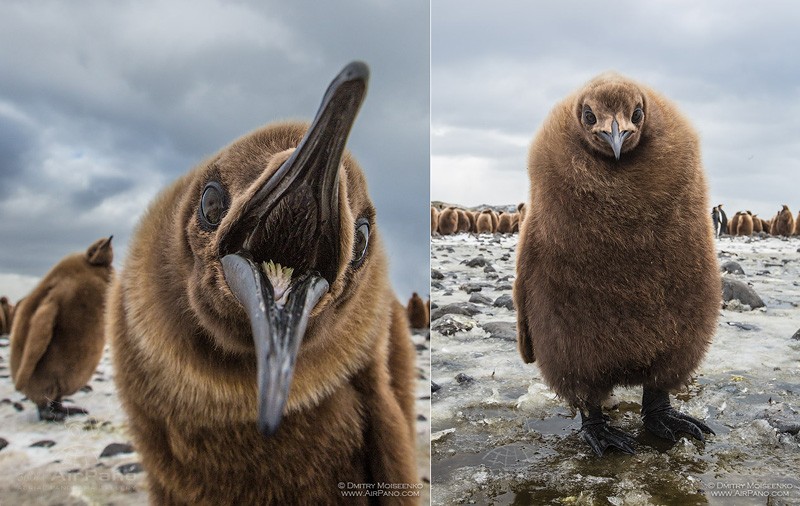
<point>417,312</point>
<point>745,226</point>
<point>733,225</point>
<point>448,221</point>
<point>5,316</point>
<point>505,224</point>
<point>434,220</point>
<point>58,338</point>
<point>260,352</point>
<point>783,223</point>
<point>604,302</point>
<point>484,222</point>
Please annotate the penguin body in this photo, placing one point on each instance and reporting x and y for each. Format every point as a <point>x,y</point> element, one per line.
<point>605,302</point>
<point>58,338</point>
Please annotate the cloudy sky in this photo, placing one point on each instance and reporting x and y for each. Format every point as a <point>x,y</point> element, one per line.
<point>102,104</point>
<point>732,67</point>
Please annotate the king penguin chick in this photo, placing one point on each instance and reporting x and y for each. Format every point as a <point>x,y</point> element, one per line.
<point>745,226</point>
<point>261,354</point>
<point>5,324</point>
<point>448,221</point>
<point>417,312</point>
<point>784,222</point>
<point>434,221</point>
<point>58,338</point>
<point>483,224</point>
<point>604,302</point>
<point>733,225</point>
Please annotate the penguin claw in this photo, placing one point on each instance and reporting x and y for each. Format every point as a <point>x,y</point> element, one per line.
<point>666,424</point>
<point>664,421</point>
<point>55,411</point>
<point>601,436</point>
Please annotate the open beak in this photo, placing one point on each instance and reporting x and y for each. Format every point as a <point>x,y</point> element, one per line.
<point>615,138</point>
<point>292,222</point>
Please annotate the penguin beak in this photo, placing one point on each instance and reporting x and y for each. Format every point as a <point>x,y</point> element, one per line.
<point>615,138</point>
<point>292,220</point>
<point>107,241</point>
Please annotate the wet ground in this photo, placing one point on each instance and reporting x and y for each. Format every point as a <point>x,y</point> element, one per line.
<point>500,436</point>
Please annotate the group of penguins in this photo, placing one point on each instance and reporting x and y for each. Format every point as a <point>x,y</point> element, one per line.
<point>455,220</point>
<point>747,223</point>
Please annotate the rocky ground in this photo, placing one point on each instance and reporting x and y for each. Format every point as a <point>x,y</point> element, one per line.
<point>89,460</point>
<point>500,436</point>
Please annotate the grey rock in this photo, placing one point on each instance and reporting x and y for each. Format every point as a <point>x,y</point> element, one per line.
<point>743,326</point>
<point>489,269</point>
<point>116,449</point>
<point>732,267</point>
<point>3,443</point>
<point>501,330</point>
<point>448,326</point>
<point>796,335</point>
<point>734,289</point>
<point>435,387</point>
<point>505,301</point>
<point>464,379</point>
<point>462,308</point>
<point>436,285</point>
<point>478,261</point>
<point>474,287</point>
<point>436,274</point>
<point>44,443</point>
<point>478,298</point>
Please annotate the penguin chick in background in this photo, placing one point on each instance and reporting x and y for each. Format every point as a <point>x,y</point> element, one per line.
<point>617,279</point>
<point>58,335</point>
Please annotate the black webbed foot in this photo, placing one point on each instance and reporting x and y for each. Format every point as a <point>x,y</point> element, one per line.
<point>55,411</point>
<point>666,422</point>
<point>600,435</point>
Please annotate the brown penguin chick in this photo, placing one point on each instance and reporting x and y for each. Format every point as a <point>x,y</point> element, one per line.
<point>757,226</point>
<point>260,352</point>
<point>448,221</point>
<point>505,224</point>
<point>514,223</point>
<point>474,221</point>
<point>495,221</point>
<point>484,222</point>
<point>521,210</point>
<point>434,220</point>
<point>5,328</point>
<point>603,302</point>
<point>765,225</point>
<point>418,316</point>
<point>733,225</point>
<point>784,222</point>
<point>463,221</point>
<point>797,224</point>
<point>745,226</point>
<point>58,338</point>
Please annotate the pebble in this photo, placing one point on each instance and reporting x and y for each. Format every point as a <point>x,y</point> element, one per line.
<point>734,289</point>
<point>116,449</point>
<point>505,301</point>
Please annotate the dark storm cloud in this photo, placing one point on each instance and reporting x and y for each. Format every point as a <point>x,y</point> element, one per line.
<point>730,67</point>
<point>122,98</point>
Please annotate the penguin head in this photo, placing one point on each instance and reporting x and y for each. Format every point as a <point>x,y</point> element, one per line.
<point>611,113</point>
<point>281,229</point>
<point>100,253</point>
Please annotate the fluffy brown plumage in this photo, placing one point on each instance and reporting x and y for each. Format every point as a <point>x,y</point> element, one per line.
<point>434,220</point>
<point>783,224</point>
<point>5,316</point>
<point>505,224</point>
<point>733,225</point>
<point>183,340</point>
<point>448,221</point>
<point>797,224</point>
<point>417,312</point>
<point>757,225</point>
<point>58,339</point>
<point>745,226</point>
<point>613,288</point>
<point>484,222</point>
<point>464,224</point>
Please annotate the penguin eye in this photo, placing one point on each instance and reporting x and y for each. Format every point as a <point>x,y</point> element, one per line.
<point>638,114</point>
<point>212,205</point>
<point>589,117</point>
<point>361,242</point>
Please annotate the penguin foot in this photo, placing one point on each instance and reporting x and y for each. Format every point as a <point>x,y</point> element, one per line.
<point>666,422</point>
<point>55,411</point>
<point>600,435</point>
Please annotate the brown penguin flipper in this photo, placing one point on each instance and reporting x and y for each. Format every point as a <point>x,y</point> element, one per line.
<point>666,422</point>
<point>401,364</point>
<point>600,435</point>
<point>36,341</point>
<point>524,341</point>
